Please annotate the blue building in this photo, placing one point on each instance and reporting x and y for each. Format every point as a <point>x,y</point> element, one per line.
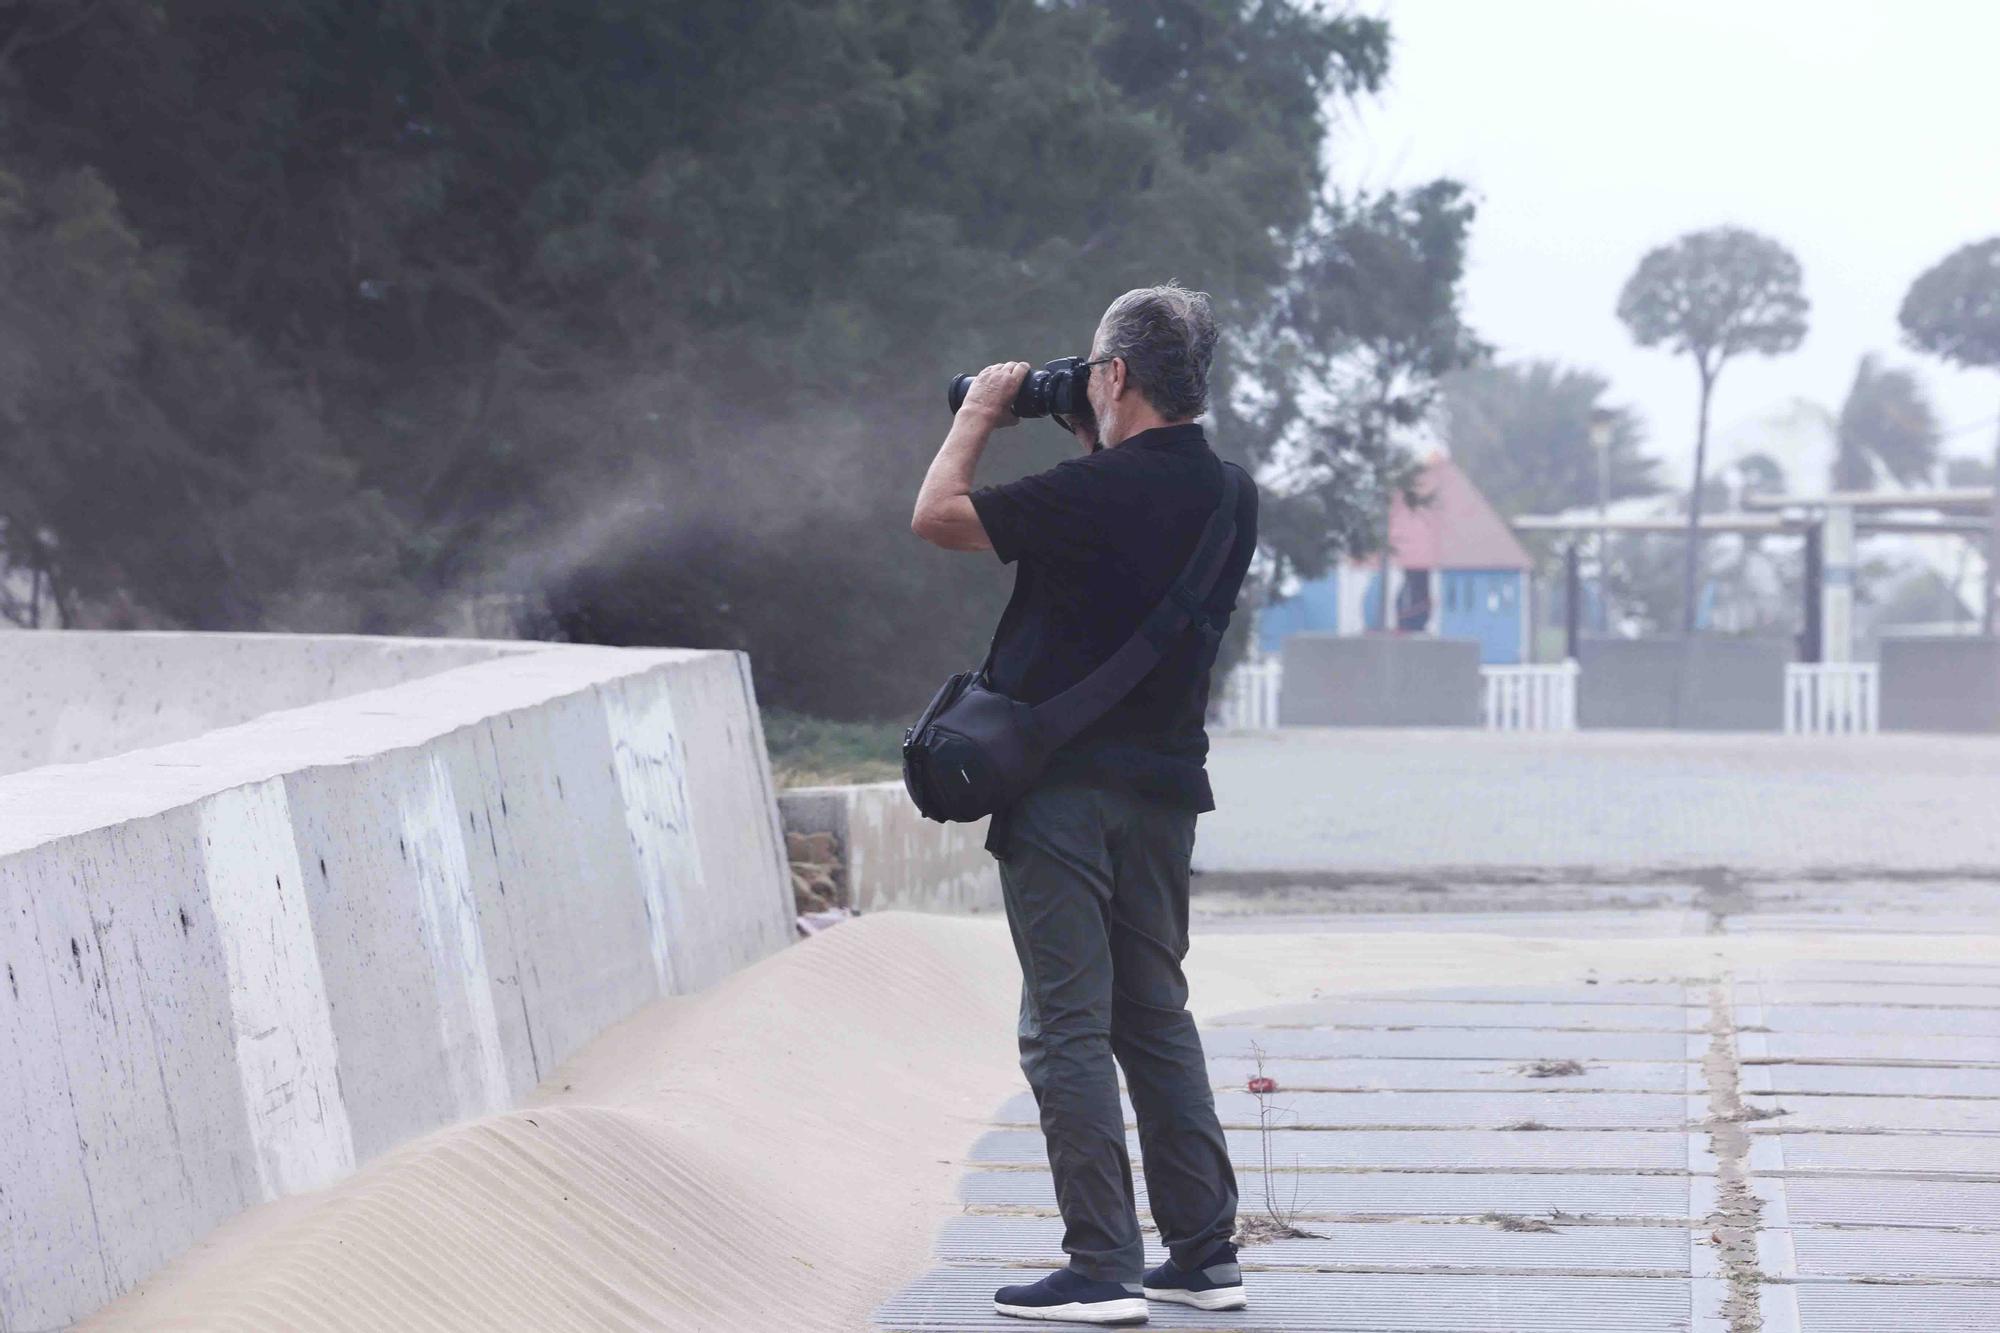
<point>1455,570</point>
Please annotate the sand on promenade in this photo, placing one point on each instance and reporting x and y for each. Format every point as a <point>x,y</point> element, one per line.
<point>772,1153</point>
<point>778,1152</point>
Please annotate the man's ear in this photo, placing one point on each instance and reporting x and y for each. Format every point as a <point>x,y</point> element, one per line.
<point>1117,367</point>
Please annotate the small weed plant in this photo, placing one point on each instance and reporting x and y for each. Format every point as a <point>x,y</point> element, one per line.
<point>1278,1221</point>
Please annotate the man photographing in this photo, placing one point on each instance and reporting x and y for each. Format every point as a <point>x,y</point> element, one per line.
<point>1094,857</point>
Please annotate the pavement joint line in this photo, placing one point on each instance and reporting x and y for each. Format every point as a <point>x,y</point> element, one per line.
<point>1433,1027</point>
<point>1595,1059</point>
<point>1581,876</point>
<point>1856,1173</point>
<point>1879,1280</point>
<point>1401,1270</point>
<point>1853,1062</point>
<point>1312,1128</point>
<point>1609,1221</point>
<point>1821,1092</point>
<point>1733,1224</point>
<point>1613,1221</point>
<point>1937,984</point>
<point>1527,1091</point>
<point>1526,1170</point>
<point>1948,1228</point>
<point>1885,1004</point>
<point>1296,1128</point>
<point>1922,1005</point>
<point>1429,995</point>
<point>1471,1129</point>
<point>1892,1131</point>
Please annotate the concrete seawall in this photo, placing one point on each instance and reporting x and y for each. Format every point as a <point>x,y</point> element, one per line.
<point>75,695</point>
<point>894,857</point>
<point>240,964</point>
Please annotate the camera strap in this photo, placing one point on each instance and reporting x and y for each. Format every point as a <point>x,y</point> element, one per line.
<point>1062,717</point>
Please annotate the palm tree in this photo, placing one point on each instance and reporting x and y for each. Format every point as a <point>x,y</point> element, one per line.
<point>1886,422</point>
<point>1713,295</point>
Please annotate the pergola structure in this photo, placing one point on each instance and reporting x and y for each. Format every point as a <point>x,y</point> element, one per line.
<point>1829,525</point>
<point>1836,519</point>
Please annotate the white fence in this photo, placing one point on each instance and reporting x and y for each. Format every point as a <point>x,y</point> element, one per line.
<point>1832,698</point>
<point>1517,698</point>
<point>1530,698</point>
<point>1250,695</point>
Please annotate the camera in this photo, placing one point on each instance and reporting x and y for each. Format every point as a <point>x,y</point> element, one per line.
<point>1056,390</point>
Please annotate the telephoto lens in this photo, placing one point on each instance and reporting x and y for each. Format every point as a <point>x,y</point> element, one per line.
<point>1031,400</point>
<point>1055,389</point>
<point>960,386</point>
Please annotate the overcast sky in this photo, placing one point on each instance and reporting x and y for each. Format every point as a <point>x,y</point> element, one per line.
<point>1865,137</point>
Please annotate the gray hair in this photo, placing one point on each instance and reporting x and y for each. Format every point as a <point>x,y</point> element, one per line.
<point>1167,336</point>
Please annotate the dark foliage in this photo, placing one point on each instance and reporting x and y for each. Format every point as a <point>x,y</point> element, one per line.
<point>324,314</point>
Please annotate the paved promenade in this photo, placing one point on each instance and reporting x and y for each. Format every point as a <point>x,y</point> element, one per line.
<point>1747,1142</point>
<point>1322,800</point>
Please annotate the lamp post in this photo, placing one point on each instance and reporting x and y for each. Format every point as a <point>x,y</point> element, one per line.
<point>1603,423</point>
<point>1836,617</point>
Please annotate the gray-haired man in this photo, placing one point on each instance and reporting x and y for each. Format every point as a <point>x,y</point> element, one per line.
<point>1094,859</point>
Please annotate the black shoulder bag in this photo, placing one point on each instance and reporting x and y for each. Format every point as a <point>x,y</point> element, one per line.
<point>974,750</point>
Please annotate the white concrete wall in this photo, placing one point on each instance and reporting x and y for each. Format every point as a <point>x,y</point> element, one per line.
<point>894,857</point>
<point>73,695</point>
<point>237,965</point>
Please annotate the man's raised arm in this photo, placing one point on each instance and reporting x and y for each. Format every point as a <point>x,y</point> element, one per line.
<point>944,515</point>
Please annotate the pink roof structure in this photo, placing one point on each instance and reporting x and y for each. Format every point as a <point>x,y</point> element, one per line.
<point>1457,529</point>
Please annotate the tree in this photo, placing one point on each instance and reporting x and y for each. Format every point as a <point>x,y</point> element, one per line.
<point>152,465</point>
<point>640,310</point>
<point>1952,311</point>
<point>1522,431</point>
<point>1712,296</point>
<point>1346,362</point>
<point>1887,421</point>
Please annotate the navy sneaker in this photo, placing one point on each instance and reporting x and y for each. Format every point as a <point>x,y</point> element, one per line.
<point>1068,1295</point>
<point>1215,1284</point>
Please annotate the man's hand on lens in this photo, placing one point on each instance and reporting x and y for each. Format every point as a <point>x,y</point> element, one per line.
<point>991,397</point>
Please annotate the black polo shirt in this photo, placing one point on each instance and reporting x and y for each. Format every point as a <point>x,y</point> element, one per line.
<point>1096,542</point>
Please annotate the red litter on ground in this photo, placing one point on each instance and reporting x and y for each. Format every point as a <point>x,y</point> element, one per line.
<point>1262,1084</point>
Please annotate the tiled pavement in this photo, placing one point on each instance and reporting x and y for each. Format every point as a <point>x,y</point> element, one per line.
<point>1820,1140</point>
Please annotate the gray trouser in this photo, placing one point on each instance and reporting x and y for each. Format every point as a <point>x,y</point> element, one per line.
<point>1096,887</point>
